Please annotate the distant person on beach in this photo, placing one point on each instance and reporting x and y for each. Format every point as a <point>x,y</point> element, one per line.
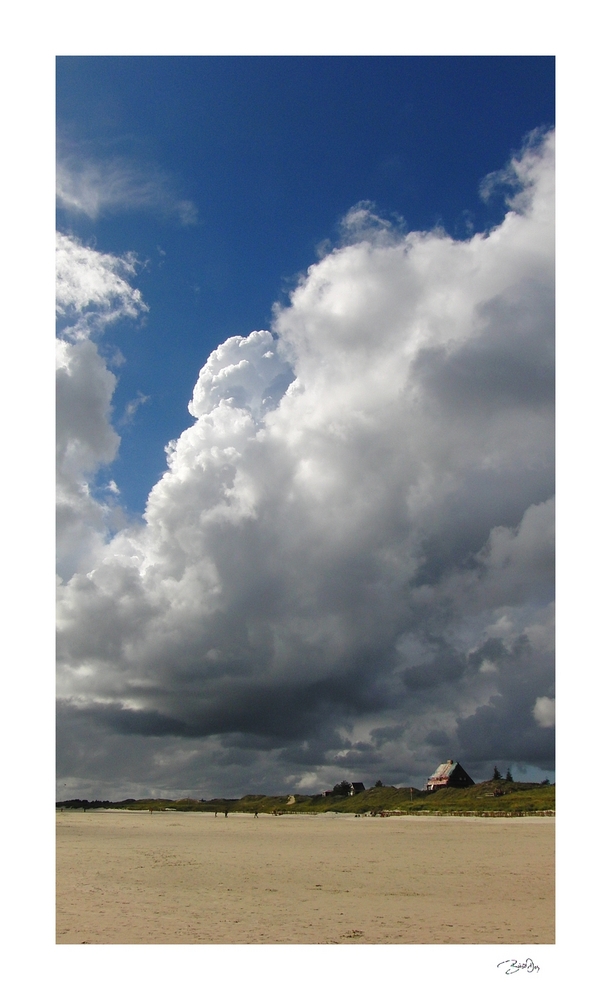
<point>256,815</point>
<point>226,811</point>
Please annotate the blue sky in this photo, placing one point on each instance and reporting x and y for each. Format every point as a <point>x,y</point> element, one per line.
<point>343,566</point>
<point>269,154</point>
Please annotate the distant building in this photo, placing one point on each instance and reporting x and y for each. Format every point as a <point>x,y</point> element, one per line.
<point>449,775</point>
<point>349,788</point>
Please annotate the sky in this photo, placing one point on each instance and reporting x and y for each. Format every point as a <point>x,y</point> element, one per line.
<point>305,422</point>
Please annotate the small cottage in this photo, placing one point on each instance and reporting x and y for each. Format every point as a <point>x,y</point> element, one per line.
<point>449,775</point>
<point>346,788</point>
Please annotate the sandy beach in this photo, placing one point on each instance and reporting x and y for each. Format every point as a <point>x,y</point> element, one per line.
<point>191,878</point>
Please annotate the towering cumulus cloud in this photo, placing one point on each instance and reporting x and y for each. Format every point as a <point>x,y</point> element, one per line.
<point>347,568</point>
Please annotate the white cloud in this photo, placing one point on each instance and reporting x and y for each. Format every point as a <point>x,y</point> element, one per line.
<point>335,555</point>
<point>362,222</point>
<point>92,288</point>
<point>544,712</point>
<point>524,174</point>
<point>247,372</point>
<point>96,188</point>
<point>93,291</point>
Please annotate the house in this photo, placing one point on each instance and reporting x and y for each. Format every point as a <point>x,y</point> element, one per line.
<point>356,787</point>
<point>449,775</point>
<point>346,788</point>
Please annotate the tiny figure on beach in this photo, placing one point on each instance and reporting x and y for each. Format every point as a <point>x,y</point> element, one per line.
<point>256,815</point>
<point>226,811</point>
<point>215,812</point>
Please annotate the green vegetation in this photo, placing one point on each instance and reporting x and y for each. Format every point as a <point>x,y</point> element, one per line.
<point>343,788</point>
<point>499,797</point>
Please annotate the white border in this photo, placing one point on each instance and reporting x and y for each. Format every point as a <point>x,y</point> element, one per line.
<point>34,35</point>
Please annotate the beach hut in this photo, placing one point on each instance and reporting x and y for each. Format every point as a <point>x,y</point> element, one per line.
<point>449,775</point>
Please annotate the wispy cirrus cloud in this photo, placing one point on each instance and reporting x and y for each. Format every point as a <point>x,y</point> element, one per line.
<point>515,180</point>
<point>132,407</point>
<point>90,187</point>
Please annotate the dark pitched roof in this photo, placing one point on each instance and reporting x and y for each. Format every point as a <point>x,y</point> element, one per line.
<point>451,771</point>
<point>445,770</point>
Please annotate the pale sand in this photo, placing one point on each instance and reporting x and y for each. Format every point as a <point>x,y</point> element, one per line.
<point>172,878</point>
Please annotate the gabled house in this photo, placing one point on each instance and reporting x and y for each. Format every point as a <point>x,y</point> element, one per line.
<point>356,787</point>
<point>449,775</point>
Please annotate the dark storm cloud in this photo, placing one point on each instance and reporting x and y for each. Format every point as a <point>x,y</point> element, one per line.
<point>446,666</point>
<point>506,729</point>
<point>505,733</point>
<point>271,714</point>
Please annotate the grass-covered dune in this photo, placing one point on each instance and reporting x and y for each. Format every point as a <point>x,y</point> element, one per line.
<point>513,798</point>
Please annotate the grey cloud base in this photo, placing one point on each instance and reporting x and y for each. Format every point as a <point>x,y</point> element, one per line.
<point>347,568</point>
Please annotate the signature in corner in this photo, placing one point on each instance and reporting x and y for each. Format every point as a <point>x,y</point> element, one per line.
<point>515,966</point>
